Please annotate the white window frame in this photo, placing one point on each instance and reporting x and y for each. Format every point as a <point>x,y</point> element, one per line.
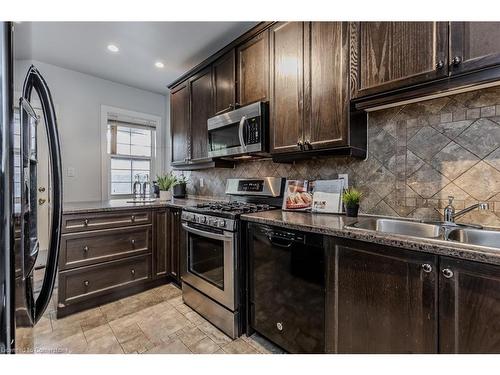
<point>120,114</point>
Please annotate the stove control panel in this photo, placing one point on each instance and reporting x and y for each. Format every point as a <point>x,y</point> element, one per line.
<point>210,221</point>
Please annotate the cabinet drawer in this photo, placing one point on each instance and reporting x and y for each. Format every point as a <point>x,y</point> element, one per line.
<point>104,220</point>
<point>89,282</point>
<point>82,249</point>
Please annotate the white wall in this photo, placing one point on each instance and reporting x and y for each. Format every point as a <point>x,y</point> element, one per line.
<point>78,98</point>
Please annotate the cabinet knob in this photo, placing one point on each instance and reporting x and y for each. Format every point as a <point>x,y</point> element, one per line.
<point>440,64</point>
<point>86,249</point>
<point>132,242</point>
<point>456,60</point>
<point>86,283</point>
<point>279,326</point>
<point>427,268</point>
<point>447,273</point>
<point>132,218</point>
<point>132,272</point>
<point>86,222</point>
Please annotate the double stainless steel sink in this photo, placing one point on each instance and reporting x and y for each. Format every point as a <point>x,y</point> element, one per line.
<point>440,231</point>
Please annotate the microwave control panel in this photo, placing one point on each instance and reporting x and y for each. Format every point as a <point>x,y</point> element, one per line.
<point>253,131</point>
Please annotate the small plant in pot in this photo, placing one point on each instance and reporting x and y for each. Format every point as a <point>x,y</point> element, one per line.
<point>351,198</point>
<point>179,189</point>
<point>165,183</point>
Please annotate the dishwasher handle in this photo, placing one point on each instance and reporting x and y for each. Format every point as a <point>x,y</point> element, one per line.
<point>282,238</point>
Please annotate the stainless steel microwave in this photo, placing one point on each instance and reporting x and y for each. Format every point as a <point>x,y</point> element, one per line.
<point>239,133</point>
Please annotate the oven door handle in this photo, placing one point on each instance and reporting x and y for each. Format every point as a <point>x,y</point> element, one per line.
<point>240,132</point>
<point>214,236</point>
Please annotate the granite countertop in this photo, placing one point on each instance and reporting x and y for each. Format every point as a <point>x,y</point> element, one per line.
<point>122,204</point>
<point>335,225</point>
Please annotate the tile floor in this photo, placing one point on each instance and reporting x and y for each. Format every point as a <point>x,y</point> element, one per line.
<point>155,321</point>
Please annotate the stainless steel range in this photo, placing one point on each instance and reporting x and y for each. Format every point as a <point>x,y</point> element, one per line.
<point>211,268</point>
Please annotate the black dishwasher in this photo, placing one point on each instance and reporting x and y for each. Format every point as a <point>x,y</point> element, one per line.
<point>287,287</point>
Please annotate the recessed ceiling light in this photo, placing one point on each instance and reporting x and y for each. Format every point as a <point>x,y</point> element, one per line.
<point>113,48</point>
<point>159,64</point>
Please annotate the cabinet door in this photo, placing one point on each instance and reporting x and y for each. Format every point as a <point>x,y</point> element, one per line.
<point>326,84</point>
<point>469,307</point>
<point>386,299</point>
<point>202,107</point>
<point>161,247</point>
<point>391,55</point>
<point>253,69</point>
<point>175,244</point>
<point>179,123</point>
<point>474,45</point>
<point>287,86</point>
<point>224,74</point>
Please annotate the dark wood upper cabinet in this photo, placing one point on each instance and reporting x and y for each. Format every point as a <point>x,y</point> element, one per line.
<point>474,45</point>
<point>179,124</point>
<point>253,69</point>
<point>309,90</point>
<point>202,107</point>
<point>224,79</point>
<point>391,55</point>
<point>469,308</point>
<point>326,96</point>
<point>287,86</point>
<point>385,299</point>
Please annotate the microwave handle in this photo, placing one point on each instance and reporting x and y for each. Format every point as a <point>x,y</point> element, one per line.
<point>240,132</point>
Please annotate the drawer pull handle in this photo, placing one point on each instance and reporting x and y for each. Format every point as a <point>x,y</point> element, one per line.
<point>427,268</point>
<point>447,273</point>
<point>86,283</point>
<point>132,242</point>
<point>132,271</point>
<point>132,218</point>
<point>86,222</point>
<point>85,249</point>
<point>279,325</point>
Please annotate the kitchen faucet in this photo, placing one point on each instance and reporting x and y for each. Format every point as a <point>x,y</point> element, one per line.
<point>449,212</point>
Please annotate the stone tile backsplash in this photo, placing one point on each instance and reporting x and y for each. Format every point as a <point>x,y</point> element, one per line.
<point>418,155</point>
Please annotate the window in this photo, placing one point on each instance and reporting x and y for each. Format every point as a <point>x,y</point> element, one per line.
<point>132,150</point>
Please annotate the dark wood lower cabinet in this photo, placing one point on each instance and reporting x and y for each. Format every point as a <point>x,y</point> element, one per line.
<point>161,243</point>
<point>175,245</point>
<point>469,306</point>
<point>98,266</point>
<point>384,300</point>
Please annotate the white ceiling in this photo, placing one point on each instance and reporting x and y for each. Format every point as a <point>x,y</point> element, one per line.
<point>81,46</point>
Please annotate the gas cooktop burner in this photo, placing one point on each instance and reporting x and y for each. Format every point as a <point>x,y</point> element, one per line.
<point>228,209</point>
<point>233,206</point>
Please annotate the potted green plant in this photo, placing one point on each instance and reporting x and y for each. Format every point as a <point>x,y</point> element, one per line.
<point>179,189</point>
<point>165,182</point>
<point>351,198</point>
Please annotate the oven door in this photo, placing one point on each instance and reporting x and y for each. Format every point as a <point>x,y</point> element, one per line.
<point>209,263</point>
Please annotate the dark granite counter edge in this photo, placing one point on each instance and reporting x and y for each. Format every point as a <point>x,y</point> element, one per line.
<point>106,206</point>
<point>438,247</point>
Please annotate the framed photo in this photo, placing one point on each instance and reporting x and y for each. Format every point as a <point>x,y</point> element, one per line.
<point>298,196</point>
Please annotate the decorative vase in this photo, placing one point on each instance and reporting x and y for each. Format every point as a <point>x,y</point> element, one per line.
<point>179,191</point>
<point>352,210</point>
<point>165,195</point>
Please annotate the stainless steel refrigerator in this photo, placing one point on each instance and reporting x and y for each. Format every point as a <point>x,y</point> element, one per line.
<point>20,307</point>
